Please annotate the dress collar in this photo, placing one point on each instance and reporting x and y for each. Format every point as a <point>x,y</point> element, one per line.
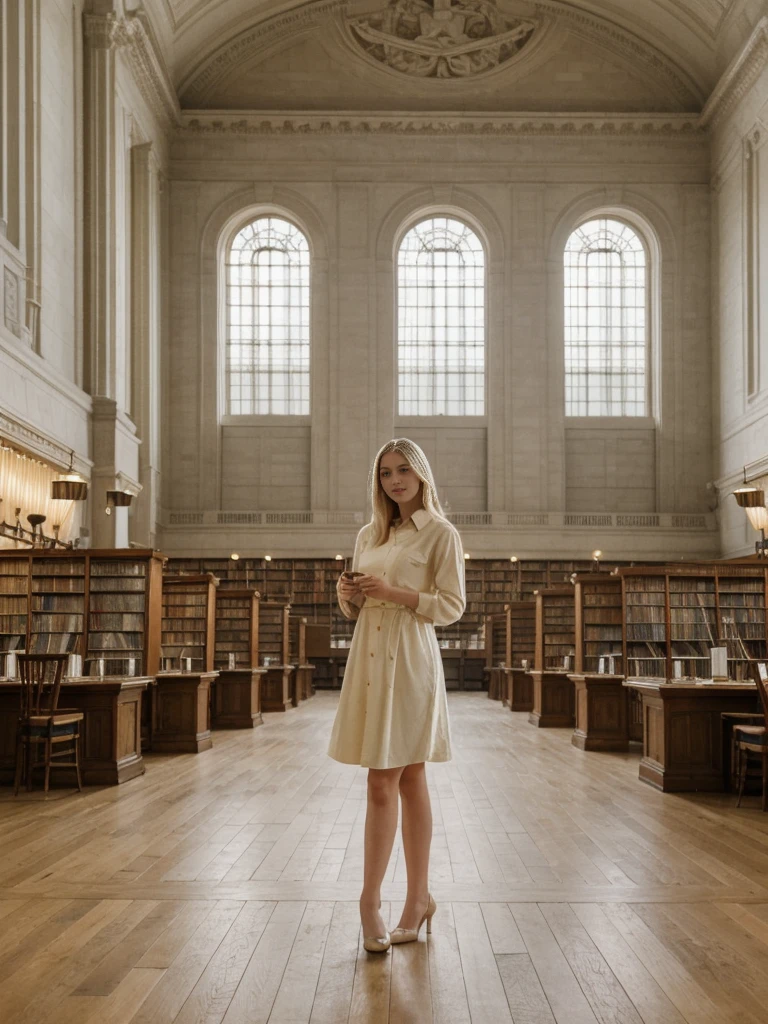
<point>419,518</point>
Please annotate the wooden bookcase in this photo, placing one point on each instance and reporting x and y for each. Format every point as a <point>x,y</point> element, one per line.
<point>553,697</point>
<point>309,586</point>
<point>303,670</point>
<point>599,620</point>
<point>102,603</point>
<point>274,644</point>
<point>555,628</point>
<point>496,649</point>
<point>237,628</point>
<point>521,634</point>
<point>189,619</point>
<point>674,615</point>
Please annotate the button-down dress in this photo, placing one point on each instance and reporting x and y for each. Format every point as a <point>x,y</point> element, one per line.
<point>392,709</point>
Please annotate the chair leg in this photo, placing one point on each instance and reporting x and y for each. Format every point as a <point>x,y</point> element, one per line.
<point>742,773</point>
<point>77,761</point>
<point>29,762</point>
<point>764,757</point>
<point>47,763</point>
<point>20,750</point>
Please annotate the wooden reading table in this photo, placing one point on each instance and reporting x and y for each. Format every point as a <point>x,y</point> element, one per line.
<point>110,731</point>
<point>602,711</point>
<point>682,731</point>
<point>236,698</point>
<point>553,699</point>
<point>181,712</point>
<point>520,689</point>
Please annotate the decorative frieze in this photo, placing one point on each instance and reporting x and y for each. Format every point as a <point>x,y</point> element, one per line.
<point>662,126</point>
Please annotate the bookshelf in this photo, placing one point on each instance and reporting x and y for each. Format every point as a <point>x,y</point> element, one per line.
<point>188,619</point>
<point>555,628</point>
<point>102,603</point>
<point>57,604</point>
<point>599,618</point>
<point>675,615</point>
<point>274,647</point>
<point>553,696</point>
<point>303,671</point>
<point>237,628</point>
<point>496,655</point>
<point>521,634</point>
<point>309,586</point>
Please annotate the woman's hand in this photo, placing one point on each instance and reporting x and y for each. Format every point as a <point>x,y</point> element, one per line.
<point>348,589</point>
<point>373,586</point>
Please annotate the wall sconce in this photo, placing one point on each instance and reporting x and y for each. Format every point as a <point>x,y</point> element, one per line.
<point>467,555</point>
<point>117,499</point>
<point>752,500</point>
<point>235,557</point>
<point>71,486</point>
<point>596,561</point>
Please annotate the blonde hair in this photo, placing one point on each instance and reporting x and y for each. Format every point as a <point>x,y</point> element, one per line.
<point>384,508</point>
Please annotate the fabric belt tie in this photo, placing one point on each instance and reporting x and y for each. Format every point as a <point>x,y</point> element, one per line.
<point>396,623</point>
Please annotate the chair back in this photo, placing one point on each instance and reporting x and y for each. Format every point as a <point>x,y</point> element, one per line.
<point>762,687</point>
<point>40,676</point>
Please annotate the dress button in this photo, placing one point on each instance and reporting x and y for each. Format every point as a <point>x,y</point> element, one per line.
<point>379,628</point>
<point>371,653</point>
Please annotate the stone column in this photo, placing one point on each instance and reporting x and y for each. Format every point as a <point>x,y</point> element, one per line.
<point>114,443</point>
<point>145,322</point>
<point>101,39</point>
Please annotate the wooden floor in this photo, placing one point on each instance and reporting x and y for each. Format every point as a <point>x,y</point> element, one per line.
<point>223,887</point>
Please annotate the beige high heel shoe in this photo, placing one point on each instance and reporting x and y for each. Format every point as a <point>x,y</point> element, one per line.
<point>412,934</point>
<point>377,943</point>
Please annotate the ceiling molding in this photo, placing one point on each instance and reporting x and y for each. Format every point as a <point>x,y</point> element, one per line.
<point>195,123</point>
<point>149,69</point>
<point>739,77</point>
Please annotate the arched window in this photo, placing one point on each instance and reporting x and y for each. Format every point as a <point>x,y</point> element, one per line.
<point>441,320</point>
<point>267,309</point>
<point>606,344</point>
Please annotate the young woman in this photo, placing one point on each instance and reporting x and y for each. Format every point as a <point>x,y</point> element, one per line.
<point>392,715</point>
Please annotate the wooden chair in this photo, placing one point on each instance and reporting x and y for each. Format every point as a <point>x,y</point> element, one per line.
<point>42,722</point>
<point>753,739</point>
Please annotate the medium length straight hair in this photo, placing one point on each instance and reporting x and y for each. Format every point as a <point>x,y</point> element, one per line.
<point>384,508</point>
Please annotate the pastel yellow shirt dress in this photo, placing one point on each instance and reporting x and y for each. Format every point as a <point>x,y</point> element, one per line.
<point>392,709</point>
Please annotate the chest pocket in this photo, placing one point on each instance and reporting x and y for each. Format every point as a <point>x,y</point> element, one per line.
<point>413,568</point>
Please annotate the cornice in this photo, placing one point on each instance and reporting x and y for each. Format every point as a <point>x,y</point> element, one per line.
<point>739,77</point>
<point>195,123</point>
<point>27,437</point>
<point>132,35</point>
<point>150,72</point>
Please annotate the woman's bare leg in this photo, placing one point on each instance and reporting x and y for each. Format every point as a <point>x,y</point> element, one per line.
<point>417,838</point>
<point>380,829</point>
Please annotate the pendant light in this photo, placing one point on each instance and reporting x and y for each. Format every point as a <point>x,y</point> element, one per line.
<point>71,486</point>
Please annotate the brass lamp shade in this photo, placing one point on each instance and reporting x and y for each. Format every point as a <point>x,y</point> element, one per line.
<point>119,497</point>
<point>69,489</point>
<point>758,517</point>
<point>749,497</point>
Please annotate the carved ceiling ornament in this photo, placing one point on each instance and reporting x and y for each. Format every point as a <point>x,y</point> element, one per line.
<point>441,38</point>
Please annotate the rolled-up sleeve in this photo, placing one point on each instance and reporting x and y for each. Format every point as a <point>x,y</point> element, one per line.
<point>446,603</point>
<point>349,610</point>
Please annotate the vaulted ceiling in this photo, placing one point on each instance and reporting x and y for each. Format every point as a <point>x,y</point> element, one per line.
<point>696,39</point>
